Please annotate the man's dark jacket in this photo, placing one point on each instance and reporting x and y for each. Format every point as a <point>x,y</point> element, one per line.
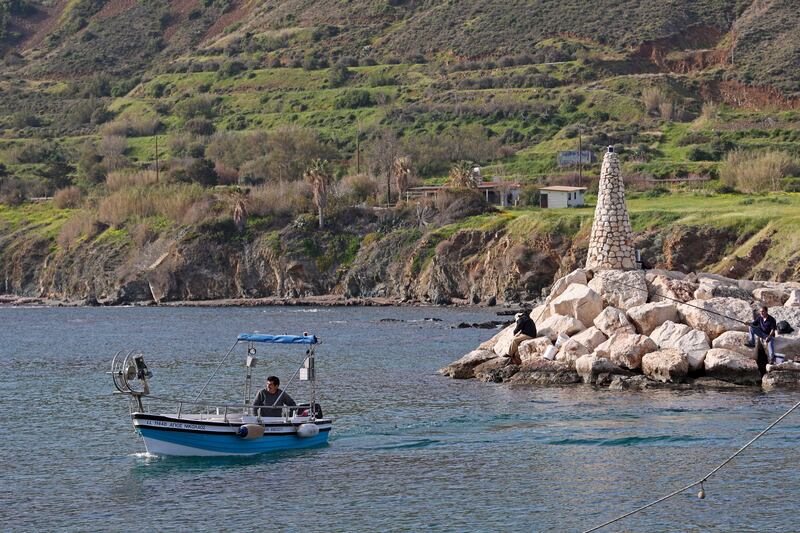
<point>525,326</point>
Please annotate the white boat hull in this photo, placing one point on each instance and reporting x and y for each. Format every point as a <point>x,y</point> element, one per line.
<point>175,436</point>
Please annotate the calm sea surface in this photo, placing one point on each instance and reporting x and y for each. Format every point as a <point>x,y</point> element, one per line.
<point>409,450</point>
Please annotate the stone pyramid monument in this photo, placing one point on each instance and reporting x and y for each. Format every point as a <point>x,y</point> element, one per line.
<point>611,241</point>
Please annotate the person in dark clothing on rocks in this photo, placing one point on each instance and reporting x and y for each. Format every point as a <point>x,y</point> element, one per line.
<point>272,397</point>
<point>525,330</point>
<point>764,327</point>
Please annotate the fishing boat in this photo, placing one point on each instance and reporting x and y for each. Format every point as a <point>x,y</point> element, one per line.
<point>198,428</point>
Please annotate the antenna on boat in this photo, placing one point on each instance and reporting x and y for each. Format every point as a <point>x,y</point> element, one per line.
<point>252,360</point>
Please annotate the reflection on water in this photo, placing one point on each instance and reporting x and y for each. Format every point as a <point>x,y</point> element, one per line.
<point>409,449</point>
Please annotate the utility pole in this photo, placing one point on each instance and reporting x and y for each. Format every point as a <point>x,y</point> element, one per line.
<point>580,158</point>
<point>157,165</point>
<point>358,147</point>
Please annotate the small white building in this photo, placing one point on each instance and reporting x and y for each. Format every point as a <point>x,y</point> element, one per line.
<point>561,196</point>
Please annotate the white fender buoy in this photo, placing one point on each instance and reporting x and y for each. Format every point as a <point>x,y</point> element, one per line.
<point>307,430</point>
<point>250,431</point>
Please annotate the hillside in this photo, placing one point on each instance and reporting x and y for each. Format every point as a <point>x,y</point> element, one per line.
<point>153,122</point>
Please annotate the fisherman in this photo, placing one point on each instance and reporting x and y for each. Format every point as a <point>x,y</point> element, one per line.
<point>271,396</point>
<point>764,327</point>
<point>524,330</point>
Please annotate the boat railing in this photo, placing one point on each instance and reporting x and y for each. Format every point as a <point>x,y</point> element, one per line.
<point>219,409</point>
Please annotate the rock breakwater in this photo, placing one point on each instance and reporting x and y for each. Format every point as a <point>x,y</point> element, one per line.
<point>642,329</point>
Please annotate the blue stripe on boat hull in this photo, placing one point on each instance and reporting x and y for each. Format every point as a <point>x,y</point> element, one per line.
<point>223,444</point>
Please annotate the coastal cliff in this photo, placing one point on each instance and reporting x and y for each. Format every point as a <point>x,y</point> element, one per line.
<point>501,257</point>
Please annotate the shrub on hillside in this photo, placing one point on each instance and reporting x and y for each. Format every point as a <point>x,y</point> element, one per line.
<point>13,190</point>
<point>170,201</point>
<point>283,199</point>
<point>68,198</point>
<point>338,75</point>
<point>199,126</point>
<point>757,172</point>
<point>202,106</point>
<point>356,188</point>
<point>456,204</point>
<point>353,99</point>
<point>653,98</point>
<point>125,179</point>
<point>81,224</point>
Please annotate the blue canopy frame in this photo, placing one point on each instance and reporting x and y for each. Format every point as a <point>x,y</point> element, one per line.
<point>278,339</point>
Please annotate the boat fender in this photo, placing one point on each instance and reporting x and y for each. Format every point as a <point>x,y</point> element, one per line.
<point>307,430</point>
<point>251,431</point>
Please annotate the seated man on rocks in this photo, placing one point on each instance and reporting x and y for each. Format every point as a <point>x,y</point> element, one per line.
<point>764,327</point>
<point>524,330</point>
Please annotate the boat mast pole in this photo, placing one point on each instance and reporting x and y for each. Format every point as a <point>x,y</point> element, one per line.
<point>216,370</point>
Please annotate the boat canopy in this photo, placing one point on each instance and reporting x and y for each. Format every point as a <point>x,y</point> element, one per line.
<point>278,339</point>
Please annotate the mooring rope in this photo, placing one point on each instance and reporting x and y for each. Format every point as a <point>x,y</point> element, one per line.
<point>699,481</point>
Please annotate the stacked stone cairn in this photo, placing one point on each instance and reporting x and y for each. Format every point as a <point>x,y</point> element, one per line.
<point>611,240</point>
<point>615,326</point>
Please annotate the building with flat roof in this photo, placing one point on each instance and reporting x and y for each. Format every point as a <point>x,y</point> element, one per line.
<point>561,196</point>
<point>502,193</point>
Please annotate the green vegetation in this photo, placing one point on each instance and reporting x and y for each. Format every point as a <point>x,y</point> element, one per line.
<point>142,119</point>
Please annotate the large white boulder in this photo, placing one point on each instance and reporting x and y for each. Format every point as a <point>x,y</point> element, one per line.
<point>591,338</point>
<point>771,297</point>
<point>716,315</point>
<point>612,320</point>
<point>626,349</point>
<point>570,351</point>
<point>789,314</point>
<point>734,341</point>
<point>731,366</point>
<point>620,288</point>
<point>589,367</point>
<point>533,349</point>
<point>670,365</point>
<point>662,288</point>
<point>504,338</point>
<point>578,301</point>
<point>652,273</point>
<point>464,368</point>
<point>647,317</point>
<point>491,343</point>
<point>794,299</point>
<point>788,345</point>
<point>561,284</point>
<point>694,344</point>
<point>540,313</point>
<point>668,333</point>
<point>559,324</point>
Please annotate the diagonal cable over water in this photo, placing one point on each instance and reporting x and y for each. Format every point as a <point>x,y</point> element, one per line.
<point>699,481</point>
<point>715,470</point>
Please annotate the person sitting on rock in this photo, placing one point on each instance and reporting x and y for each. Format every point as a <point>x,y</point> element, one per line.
<point>524,330</point>
<point>764,327</point>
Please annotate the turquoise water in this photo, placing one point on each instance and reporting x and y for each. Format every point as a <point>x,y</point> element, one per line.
<point>410,450</point>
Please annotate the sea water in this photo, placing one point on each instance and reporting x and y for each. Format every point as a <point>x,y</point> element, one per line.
<point>410,450</point>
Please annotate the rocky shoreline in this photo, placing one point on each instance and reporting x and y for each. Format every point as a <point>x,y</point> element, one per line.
<point>318,301</point>
<point>637,329</point>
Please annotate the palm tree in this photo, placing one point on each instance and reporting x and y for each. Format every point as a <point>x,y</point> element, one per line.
<point>318,176</point>
<point>461,176</point>
<point>401,168</point>
<point>239,214</point>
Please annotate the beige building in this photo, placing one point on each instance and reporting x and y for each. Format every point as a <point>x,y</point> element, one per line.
<point>561,196</point>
